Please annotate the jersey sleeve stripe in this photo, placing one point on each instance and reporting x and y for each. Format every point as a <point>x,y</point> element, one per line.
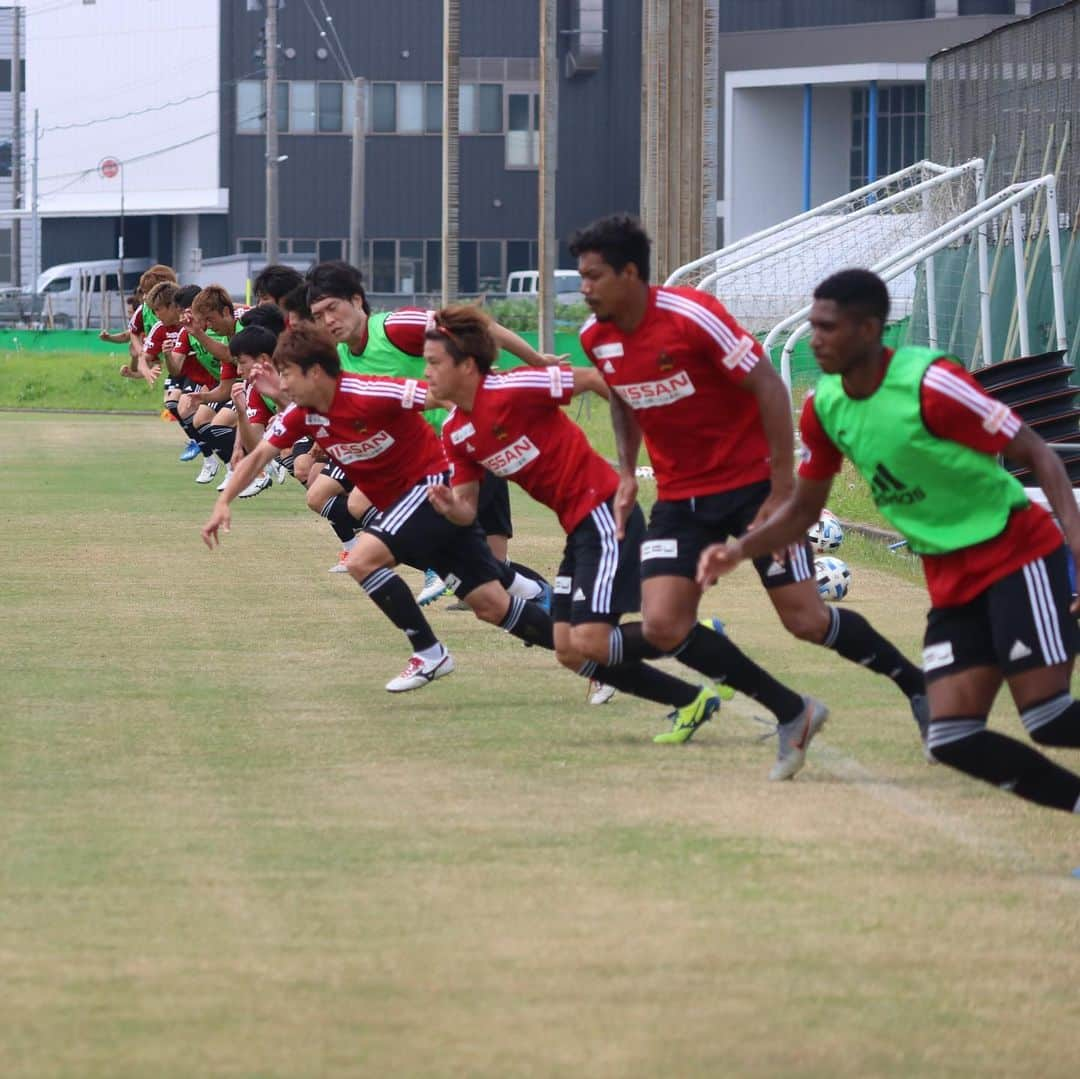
<point>716,329</point>
<point>589,323</point>
<point>958,390</point>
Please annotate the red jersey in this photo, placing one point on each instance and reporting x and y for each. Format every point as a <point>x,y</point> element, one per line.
<point>518,430</point>
<point>258,411</point>
<point>374,431</point>
<point>681,372</point>
<point>954,407</point>
<point>161,338</point>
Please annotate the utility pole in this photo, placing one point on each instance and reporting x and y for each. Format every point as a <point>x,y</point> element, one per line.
<point>549,243</point>
<point>450,147</point>
<point>35,232</point>
<point>271,132</point>
<point>16,147</point>
<point>356,206</point>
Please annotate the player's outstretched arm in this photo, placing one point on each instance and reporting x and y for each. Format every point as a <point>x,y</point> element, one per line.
<point>509,341</point>
<point>1027,448</point>
<point>456,504</point>
<point>588,378</point>
<point>788,523</point>
<point>248,469</point>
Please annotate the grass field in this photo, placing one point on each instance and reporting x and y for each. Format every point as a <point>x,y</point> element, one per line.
<point>226,851</point>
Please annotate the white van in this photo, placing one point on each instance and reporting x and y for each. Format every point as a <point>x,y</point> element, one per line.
<point>71,293</point>
<point>525,284</point>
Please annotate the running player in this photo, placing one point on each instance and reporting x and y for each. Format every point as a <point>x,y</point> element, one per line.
<point>512,424</point>
<point>372,427</point>
<point>716,419</point>
<point>926,438</point>
<point>392,343</point>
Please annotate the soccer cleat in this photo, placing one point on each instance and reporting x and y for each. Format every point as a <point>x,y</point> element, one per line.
<point>795,736</point>
<point>547,595</point>
<point>279,472</point>
<point>713,623</point>
<point>191,451</point>
<point>920,709</point>
<point>599,693</point>
<point>434,587</point>
<point>225,482</point>
<point>209,470</point>
<point>339,566</point>
<point>686,720</point>
<point>418,672</point>
<point>258,484</point>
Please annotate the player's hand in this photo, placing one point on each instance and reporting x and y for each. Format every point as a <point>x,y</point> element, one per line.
<point>441,498</point>
<point>190,321</point>
<point>716,560</point>
<point>151,373</point>
<point>220,519</point>
<point>551,360</point>
<point>104,335</point>
<point>238,393</point>
<point>264,378</point>
<point>624,502</point>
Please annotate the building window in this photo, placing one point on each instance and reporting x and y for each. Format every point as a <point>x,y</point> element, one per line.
<point>251,246</point>
<point>901,130</point>
<point>5,75</point>
<point>405,108</point>
<point>481,109</point>
<point>5,255</point>
<point>5,158</point>
<point>522,130</point>
<point>303,108</point>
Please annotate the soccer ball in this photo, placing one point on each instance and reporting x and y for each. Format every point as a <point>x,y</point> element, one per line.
<point>833,578</point>
<point>826,535</point>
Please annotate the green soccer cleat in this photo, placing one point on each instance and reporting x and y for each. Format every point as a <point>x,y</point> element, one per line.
<point>684,721</point>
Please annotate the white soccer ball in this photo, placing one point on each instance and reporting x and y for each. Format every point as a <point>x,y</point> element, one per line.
<point>833,578</point>
<point>827,534</point>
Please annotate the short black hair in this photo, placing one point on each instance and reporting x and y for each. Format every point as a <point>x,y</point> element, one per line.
<point>336,280</point>
<point>186,293</point>
<point>275,280</point>
<point>297,302</point>
<point>253,341</point>
<point>267,315</point>
<point>618,240</point>
<point>861,292</point>
<point>307,345</point>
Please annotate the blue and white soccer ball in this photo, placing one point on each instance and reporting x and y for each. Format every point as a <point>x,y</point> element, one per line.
<point>827,534</point>
<point>833,578</point>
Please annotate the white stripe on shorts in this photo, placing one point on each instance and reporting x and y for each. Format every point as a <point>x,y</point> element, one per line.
<point>609,559</point>
<point>1044,612</point>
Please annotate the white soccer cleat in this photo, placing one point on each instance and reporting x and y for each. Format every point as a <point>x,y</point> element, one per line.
<point>228,476</point>
<point>434,587</point>
<point>259,483</point>
<point>795,736</point>
<point>339,566</point>
<point>599,693</point>
<point>419,672</point>
<point>209,470</point>
<point>279,471</point>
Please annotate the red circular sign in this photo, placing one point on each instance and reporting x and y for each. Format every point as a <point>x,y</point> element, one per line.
<point>109,168</point>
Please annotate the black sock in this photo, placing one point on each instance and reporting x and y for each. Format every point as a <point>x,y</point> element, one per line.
<point>207,440</point>
<point>627,644</point>
<point>964,743</point>
<point>344,524</point>
<point>391,594</point>
<point>526,571</point>
<point>854,638</point>
<point>173,407</point>
<point>717,657</point>
<point>1054,722</point>
<point>367,517</point>
<point>288,463</point>
<point>641,680</point>
<point>529,623</point>
<point>194,433</point>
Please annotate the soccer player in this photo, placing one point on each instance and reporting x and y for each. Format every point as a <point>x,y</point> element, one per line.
<point>392,343</point>
<point>512,424</point>
<point>716,419</point>
<point>371,426</point>
<point>925,437</point>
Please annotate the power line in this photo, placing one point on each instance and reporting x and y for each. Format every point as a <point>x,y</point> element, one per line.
<point>337,38</point>
<point>339,58</point>
<point>134,112</point>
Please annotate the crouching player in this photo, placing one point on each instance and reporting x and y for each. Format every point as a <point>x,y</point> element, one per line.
<point>924,436</point>
<point>512,424</point>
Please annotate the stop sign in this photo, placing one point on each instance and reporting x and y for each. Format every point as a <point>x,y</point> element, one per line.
<point>109,168</point>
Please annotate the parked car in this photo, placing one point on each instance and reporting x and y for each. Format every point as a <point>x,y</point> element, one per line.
<point>71,293</point>
<point>525,284</point>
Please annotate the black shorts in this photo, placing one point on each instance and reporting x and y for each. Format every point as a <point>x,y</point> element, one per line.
<point>181,383</point>
<point>599,578</point>
<point>301,445</point>
<point>422,538</point>
<point>1018,624</point>
<point>337,474</point>
<point>679,531</point>
<point>220,406</point>
<point>493,506</point>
